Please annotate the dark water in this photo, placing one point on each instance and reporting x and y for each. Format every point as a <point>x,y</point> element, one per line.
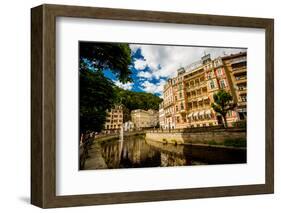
<point>136,152</point>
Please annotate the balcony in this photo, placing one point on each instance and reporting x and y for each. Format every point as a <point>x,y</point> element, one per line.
<point>239,70</point>
<point>168,114</point>
<point>238,60</point>
<point>242,103</point>
<point>240,80</point>
<point>182,111</point>
<point>166,105</point>
<point>242,92</point>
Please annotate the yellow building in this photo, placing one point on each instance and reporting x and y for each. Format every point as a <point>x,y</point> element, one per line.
<point>168,106</point>
<point>144,119</point>
<point>161,114</point>
<point>188,97</point>
<point>200,84</point>
<point>236,66</point>
<point>114,119</point>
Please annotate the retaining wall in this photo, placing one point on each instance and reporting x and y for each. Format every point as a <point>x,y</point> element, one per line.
<point>195,136</point>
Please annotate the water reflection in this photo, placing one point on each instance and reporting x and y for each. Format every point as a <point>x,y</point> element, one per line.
<point>135,152</point>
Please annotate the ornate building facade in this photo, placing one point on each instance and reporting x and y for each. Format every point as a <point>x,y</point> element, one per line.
<point>236,66</point>
<point>188,96</point>
<point>114,119</point>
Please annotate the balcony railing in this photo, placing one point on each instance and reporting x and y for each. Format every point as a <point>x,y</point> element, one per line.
<point>182,111</point>
<point>238,60</point>
<point>239,70</point>
<point>241,80</point>
<point>242,92</point>
<point>168,114</point>
<point>242,103</point>
<point>166,105</point>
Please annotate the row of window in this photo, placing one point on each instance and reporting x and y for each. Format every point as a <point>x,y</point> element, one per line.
<point>168,104</point>
<point>116,116</point>
<point>194,118</point>
<point>201,117</point>
<point>243,98</point>
<point>202,125</point>
<point>116,111</point>
<point>242,87</point>
<point>181,107</point>
<point>113,126</point>
<point>195,82</point>
<point>212,84</point>
<point>218,72</point>
<point>197,92</point>
<point>169,110</point>
<point>175,81</point>
<point>199,104</point>
<point>211,65</point>
<point>114,121</point>
<point>191,105</point>
<point>168,92</point>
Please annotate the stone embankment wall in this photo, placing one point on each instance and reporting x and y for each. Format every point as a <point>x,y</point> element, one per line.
<point>193,136</point>
<point>106,137</point>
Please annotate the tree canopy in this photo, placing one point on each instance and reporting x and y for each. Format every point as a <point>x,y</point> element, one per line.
<point>137,100</point>
<point>223,102</point>
<point>113,56</point>
<point>131,100</point>
<point>97,93</point>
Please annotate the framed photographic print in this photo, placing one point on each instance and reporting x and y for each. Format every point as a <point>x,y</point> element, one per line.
<point>137,106</point>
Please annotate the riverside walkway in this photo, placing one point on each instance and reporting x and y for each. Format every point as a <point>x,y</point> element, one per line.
<point>95,160</point>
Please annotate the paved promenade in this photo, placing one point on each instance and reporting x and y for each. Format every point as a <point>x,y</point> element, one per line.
<point>95,160</point>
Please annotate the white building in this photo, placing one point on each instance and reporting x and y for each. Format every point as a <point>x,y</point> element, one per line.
<point>161,115</point>
<point>144,119</point>
<point>128,126</point>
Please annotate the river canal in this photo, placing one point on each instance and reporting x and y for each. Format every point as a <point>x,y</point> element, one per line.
<point>137,152</point>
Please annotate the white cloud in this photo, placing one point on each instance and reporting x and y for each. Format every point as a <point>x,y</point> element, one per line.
<point>126,86</point>
<point>153,88</point>
<point>140,64</point>
<point>147,75</point>
<point>164,61</point>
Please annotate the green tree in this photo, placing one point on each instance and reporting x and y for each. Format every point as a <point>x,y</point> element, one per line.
<point>223,102</point>
<point>101,56</point>
<point>97,93</point>
<point>136,100</point>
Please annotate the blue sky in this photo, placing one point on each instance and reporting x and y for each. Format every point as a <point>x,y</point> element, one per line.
<point>152,65</point>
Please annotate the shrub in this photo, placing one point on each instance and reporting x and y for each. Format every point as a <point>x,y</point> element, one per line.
<point>240,142</point>
<point>212,142</point>
<point>164,140</point>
